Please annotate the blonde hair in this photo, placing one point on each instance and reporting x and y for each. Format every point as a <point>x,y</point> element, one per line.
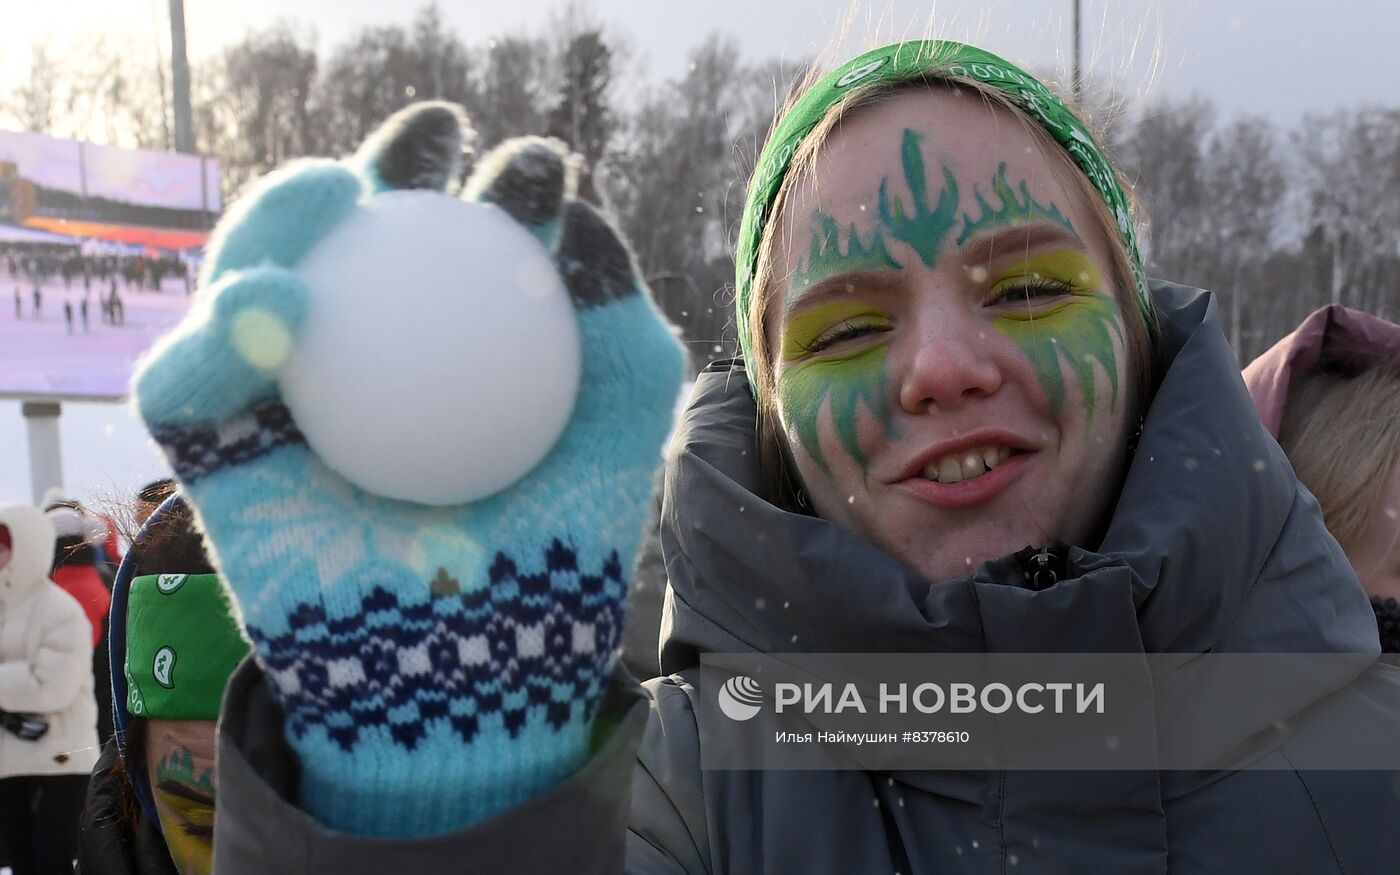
<point>773,449</point>
<point>1342,434</point>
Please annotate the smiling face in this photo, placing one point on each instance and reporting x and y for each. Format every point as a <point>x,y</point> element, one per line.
<point>949,356</point>
<point>180,760</point>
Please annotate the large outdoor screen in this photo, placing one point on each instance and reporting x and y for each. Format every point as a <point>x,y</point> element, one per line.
<point>98,251</point>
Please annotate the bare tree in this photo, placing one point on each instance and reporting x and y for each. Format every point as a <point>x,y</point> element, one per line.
<point>34,103</point>
<point>677,182</point>
<point>1242,222</point>
<point>511,90</point>
<point>1163,155</point>
<point>383,69</point>
<point>582,115</point>
<point>252,103</point>
<point>1351,171</point>
<point>89,88</point>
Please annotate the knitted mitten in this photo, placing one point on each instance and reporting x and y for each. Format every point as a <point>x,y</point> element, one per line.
<point>435,664</point>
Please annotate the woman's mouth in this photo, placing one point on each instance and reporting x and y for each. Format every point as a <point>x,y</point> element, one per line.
<point>967,477</point>
<point>967,464</point>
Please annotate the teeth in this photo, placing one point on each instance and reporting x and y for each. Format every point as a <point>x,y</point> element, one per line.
<point>965,466</point>
<point>950,470</point>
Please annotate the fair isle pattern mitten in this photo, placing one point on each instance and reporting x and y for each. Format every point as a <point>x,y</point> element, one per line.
<point>436,664</point>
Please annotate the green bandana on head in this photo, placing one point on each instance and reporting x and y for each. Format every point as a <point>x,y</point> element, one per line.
<point>182,645</point>
<point>896,63</point>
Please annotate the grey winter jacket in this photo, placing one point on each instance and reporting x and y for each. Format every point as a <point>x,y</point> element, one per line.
<point>1234,559</point>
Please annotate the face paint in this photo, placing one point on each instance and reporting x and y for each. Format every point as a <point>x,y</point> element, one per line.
<point>827,258</point>
<point>1081,331</point>
<point>185,803</point>
<point>1079,328</point>
<point>925,229</point>
<point>1012,210</point>
<point>845,379</point>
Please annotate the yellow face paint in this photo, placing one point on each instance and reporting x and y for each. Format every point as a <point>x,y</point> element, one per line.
<point>808,328</point>
<point>187,822</point>
<point>1076,326</point>
<point>843,381</point>
<point>180,764</point>
<point>1066,267</point>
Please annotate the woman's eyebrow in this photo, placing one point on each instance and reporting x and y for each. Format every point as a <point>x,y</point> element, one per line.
<point>183,791</point>
<point>1015,239</point>
<point>839,284</point>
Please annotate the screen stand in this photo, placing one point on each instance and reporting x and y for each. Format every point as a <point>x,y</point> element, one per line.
<point>45,452</point>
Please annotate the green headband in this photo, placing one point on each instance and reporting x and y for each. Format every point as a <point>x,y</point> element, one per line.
<point>181,646</point>
<point>900,62</point>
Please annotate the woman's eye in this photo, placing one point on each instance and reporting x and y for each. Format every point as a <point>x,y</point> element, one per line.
<point>198,830</point>
<point>1030,290</point>
<point>840,333</point>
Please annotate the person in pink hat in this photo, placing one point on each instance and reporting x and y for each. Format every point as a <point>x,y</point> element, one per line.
<point>1330,393</point>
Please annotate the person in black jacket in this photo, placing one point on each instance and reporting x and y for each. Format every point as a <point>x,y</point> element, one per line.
<point>150,801</point>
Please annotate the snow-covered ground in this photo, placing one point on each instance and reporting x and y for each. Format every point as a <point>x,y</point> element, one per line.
<point>41,353</point>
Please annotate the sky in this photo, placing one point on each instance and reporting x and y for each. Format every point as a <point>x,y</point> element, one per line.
<point>1276,58</point>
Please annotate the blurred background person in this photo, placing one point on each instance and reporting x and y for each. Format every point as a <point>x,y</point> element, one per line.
<point>150,496</point>
<point>150,803</point>
<point>49,741</point>
<point>78,568</point>
<point>99,530</point>
<point>1330,393</point>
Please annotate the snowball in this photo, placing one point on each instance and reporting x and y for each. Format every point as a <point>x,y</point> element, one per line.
<point>439,359</point>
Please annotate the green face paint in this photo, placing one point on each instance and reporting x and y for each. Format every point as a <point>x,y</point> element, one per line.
<point>827,258</point>
<point>806,387</point>
<point>925,229</point>
<point>178,765</point>
<point>841,380</point>
<point>910,61</point>
<point>184,798</point>
<point>1012,210</point>
<point>1078,329</point>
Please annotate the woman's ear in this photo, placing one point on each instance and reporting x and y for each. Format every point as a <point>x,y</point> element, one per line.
<point>422,146</point>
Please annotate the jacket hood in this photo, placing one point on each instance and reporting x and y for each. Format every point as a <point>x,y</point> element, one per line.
<point>1332,334</point>
<point>31,551</point>
<point>1211,546</point>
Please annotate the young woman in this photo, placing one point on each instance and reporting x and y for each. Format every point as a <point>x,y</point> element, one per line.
<point>48,742</point>
<point>1330,393</point>
<point>951,355</point>
<point>150,802</point>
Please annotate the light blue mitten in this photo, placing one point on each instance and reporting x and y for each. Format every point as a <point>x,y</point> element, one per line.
<point>436,664</point>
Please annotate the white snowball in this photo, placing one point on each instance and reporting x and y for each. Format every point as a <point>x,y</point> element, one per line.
<point>439,360</point>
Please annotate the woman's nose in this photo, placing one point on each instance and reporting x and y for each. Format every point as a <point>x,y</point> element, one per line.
<point>949,361</point>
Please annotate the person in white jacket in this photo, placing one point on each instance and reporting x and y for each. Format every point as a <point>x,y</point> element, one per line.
<point>49,741</point>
